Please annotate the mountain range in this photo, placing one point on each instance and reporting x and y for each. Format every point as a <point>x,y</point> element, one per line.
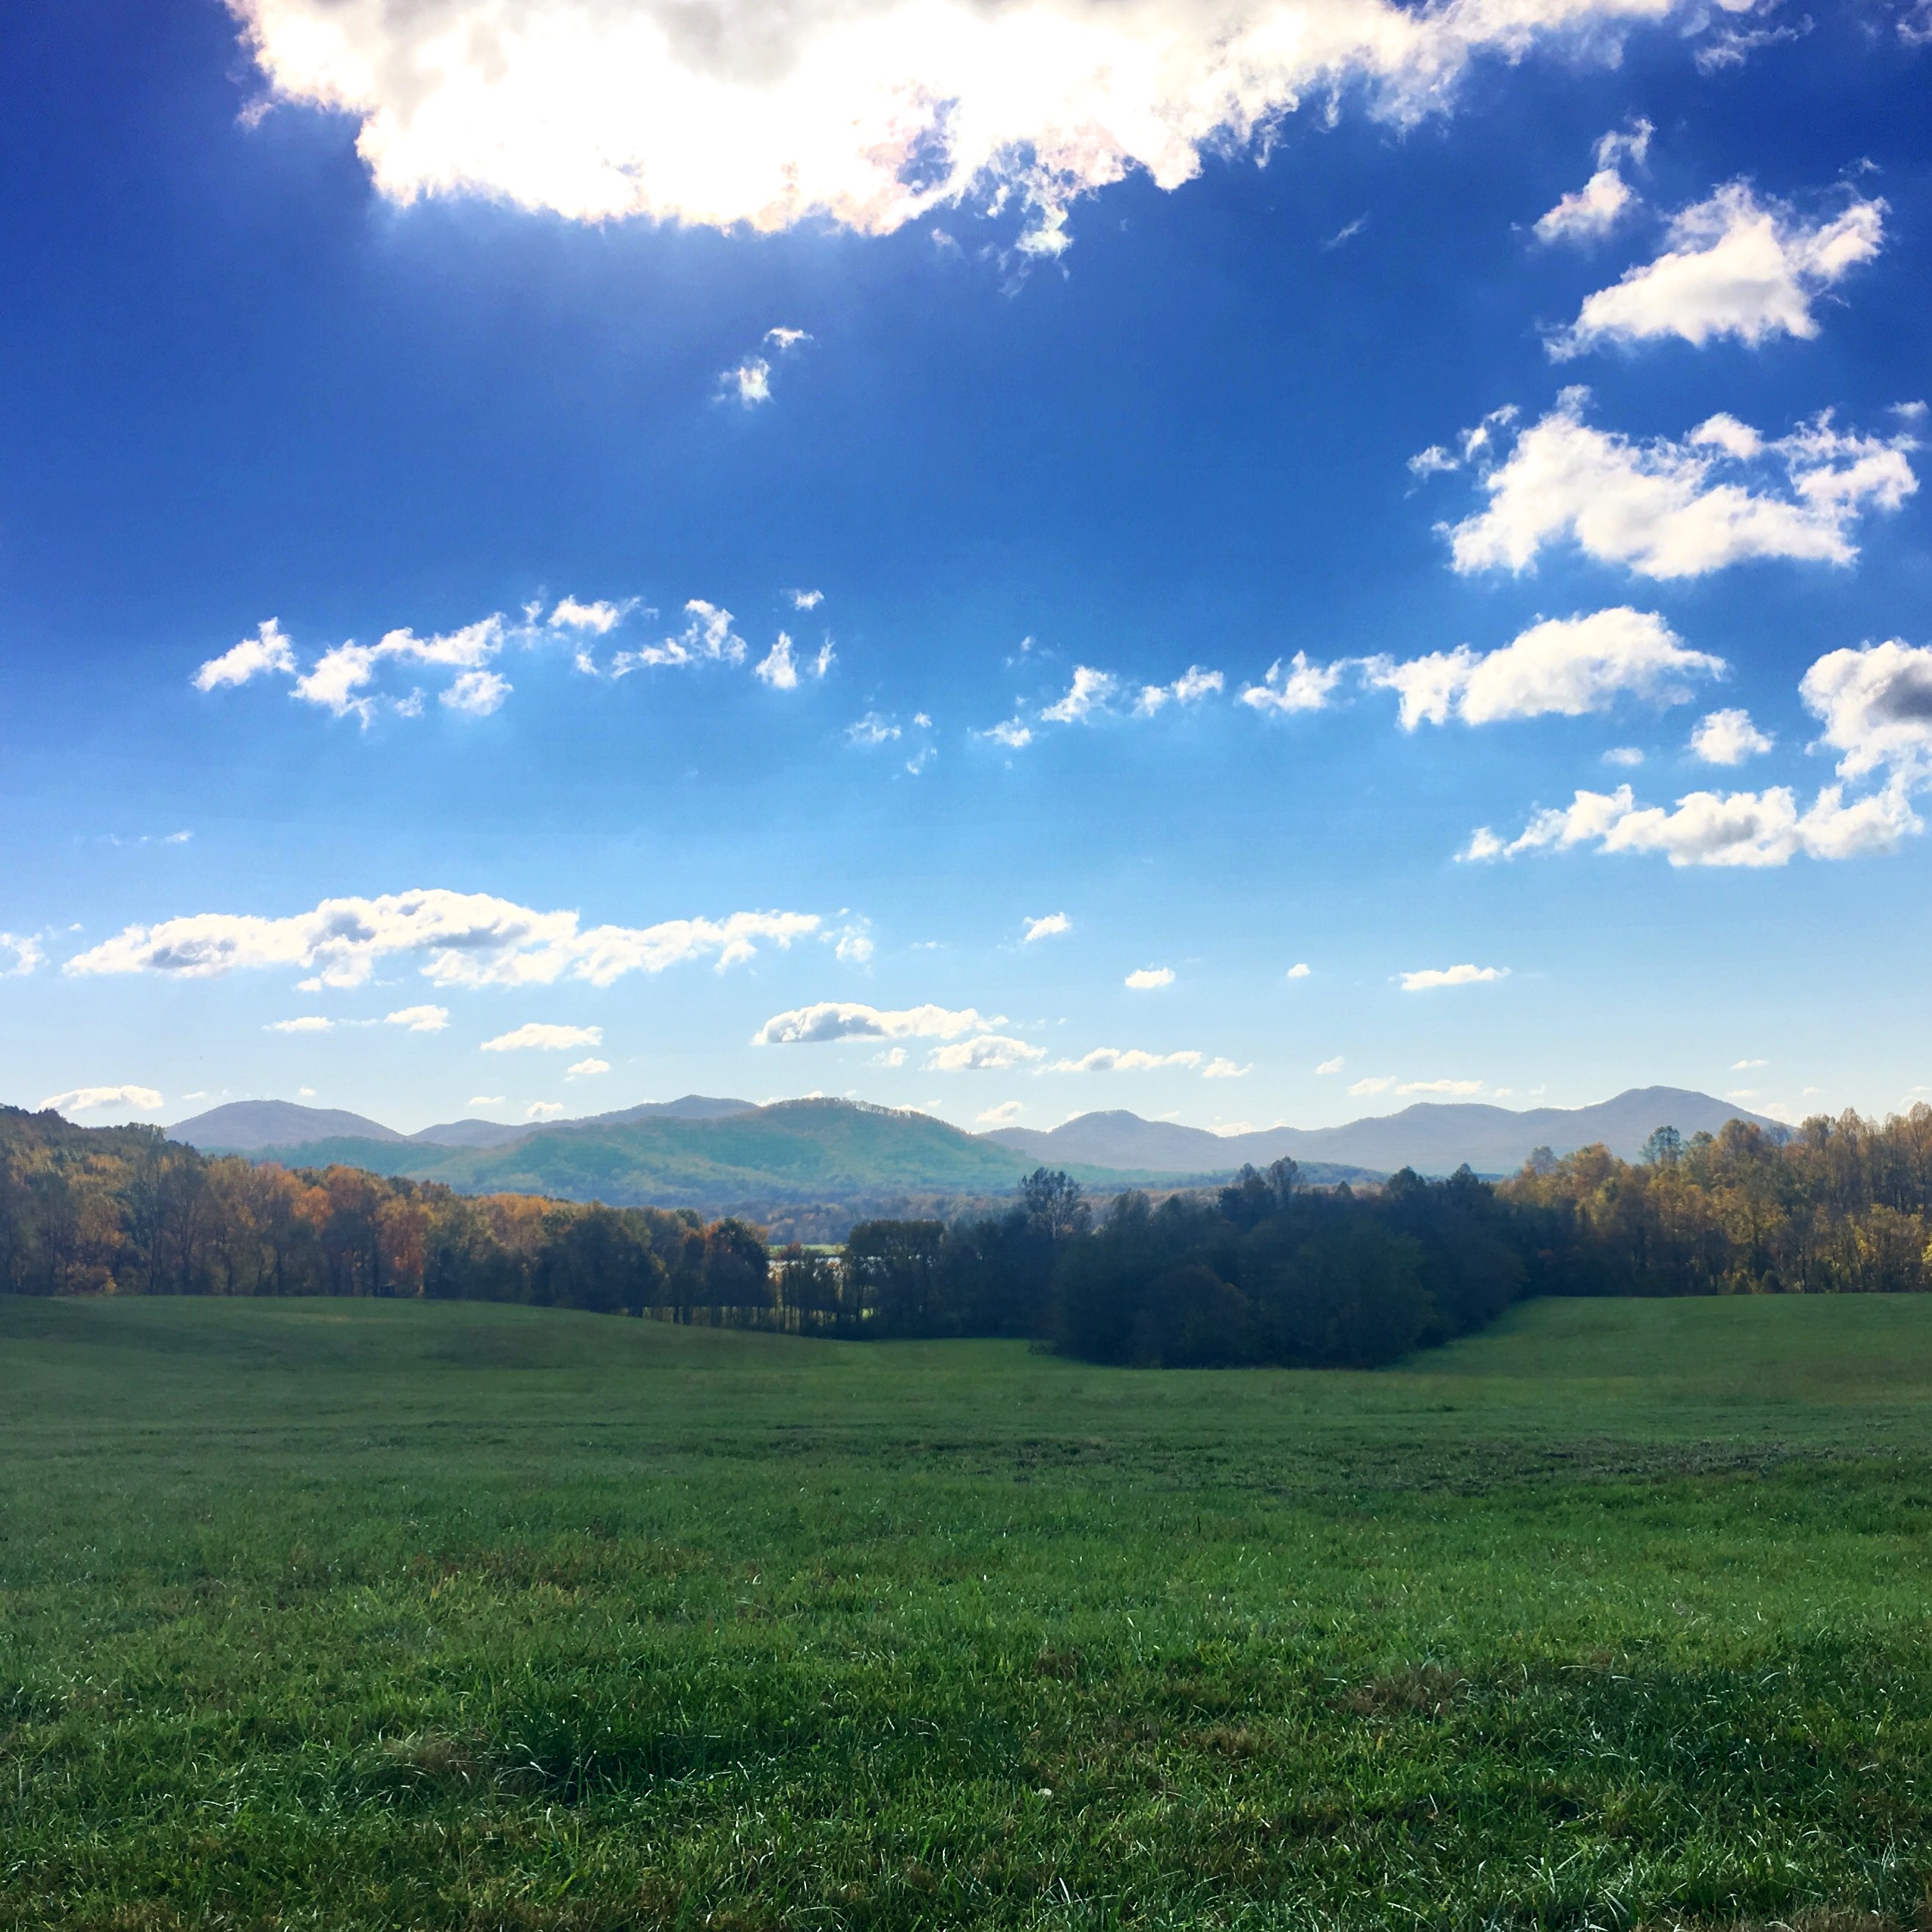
<point>1433,1137</point>
<point>725,1155</point>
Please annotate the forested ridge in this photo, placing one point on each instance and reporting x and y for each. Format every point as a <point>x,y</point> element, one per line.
<point>1267,1270</point>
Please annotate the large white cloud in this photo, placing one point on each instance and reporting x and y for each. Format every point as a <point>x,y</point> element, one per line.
<point>1669,509</point>
<point>466,939</point>
<point>848,1019</point>
<point>869,112</point>
<point>1707,828</point>
<point>1876,705</point>
<point>1734,266</point>
<point>1568,666</point>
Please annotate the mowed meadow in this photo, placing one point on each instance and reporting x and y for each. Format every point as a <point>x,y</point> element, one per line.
<point>369,1614</point>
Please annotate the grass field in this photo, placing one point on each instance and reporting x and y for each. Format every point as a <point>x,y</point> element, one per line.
<point>386,1614</point>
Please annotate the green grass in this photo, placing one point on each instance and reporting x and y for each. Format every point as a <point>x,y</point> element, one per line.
<point>373,1615</point>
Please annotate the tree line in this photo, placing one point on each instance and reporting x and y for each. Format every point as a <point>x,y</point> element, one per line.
<point>1834,1206</point>
<point>1265,1270</point>
<point>126,1210</point>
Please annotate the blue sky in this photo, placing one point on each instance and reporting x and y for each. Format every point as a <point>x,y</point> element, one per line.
<point>1523,398</point>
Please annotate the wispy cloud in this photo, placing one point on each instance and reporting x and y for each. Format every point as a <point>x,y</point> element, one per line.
<point>1147,979</point>
<point>1049,927</point>
<point>1429,977</point>
<point>98,1099</point>
<point>1125,1060</point>
<point>848,1019</point>
<point>542,1037</point>
<point>984,1053</point>
<point>418,1019</point>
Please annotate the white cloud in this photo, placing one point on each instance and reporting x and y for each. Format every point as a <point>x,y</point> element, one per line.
<point>1090,690</point>
<point>893,1056</point>
<point>1300,970</point>
<point>1595,208</point>
<point>1431,976</point>
<point>1728,738</point>
<point>1568,666</point>
<point>847,1019</point>
<point>750,383</point>
<point>97,1099</point>
<point>871,730</point>
<point>1003,1115</point>
<point>476,693</point>
<point>1734,266</point>
<point>544,1110</point>
<point>544,1038</point>
<point>777,668</point>
<point>1224,1070</point>
<point>471,939</point>
<point>27,952</point>
<point>1334,1066</point>
<point>1461,1089</point>
<point>873,116</point>
<point>1745,1065</point>
<point>1050,927</point>
<point>852,944</point>
<point>707,638</point>
<point>1298,685</point>
<point>1732,46</point>
<point>1145,979</point>
<point>582,1069</point>
<point>985,1053</point>
<point>599,618</point>
<point>307,1023</point>
<point>418,1019</point>
<point>1623,755</point>
<point>1876,704</point>
<point>484,1100</point>
<point>268,652</point>
<point>1591,210</point>
<point>1128,1060</point>
<point>1706,828</point>
<point>1193,685</point>
<point>1011,734</point>
<point>805,600</point>
<point>338,681</point>
<point>1677,509</point>
<point>1376,1085</point>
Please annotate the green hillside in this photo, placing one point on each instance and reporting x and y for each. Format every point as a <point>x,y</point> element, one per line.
<point>797,1150</point>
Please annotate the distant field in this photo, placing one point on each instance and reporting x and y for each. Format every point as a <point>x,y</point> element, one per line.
<point>355,1614</point>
